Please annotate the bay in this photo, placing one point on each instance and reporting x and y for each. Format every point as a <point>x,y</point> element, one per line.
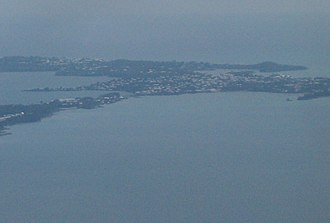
<point>12,86</point>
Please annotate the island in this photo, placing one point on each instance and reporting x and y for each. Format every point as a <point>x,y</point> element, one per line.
<point>149,78</point>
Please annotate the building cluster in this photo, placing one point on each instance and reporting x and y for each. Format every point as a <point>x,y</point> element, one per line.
<point>202,82</point>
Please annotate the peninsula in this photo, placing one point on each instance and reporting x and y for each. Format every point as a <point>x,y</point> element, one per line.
<point>148,78</point>
<point>16,114</point>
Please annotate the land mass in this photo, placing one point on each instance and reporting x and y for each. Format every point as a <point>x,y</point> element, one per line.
<point>16,114</point>
<point>124,68</point>
<point>148,78</point>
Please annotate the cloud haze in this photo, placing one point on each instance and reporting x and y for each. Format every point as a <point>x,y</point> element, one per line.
<point>158,7</point>
<point>209,30</point>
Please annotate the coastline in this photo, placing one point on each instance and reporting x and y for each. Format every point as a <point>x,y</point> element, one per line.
<point>151,78</point>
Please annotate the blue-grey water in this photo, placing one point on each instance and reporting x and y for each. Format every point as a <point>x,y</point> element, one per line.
<point>223,157</point>
<point>12,87</point>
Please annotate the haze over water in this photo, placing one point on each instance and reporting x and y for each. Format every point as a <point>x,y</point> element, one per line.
<point>224,157</point>
<point>234,38</point>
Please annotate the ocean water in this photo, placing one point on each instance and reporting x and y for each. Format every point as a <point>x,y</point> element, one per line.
<point>12,87</point>
<point>222,157</point>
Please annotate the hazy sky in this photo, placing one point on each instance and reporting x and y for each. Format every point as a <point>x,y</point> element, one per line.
<point>14,8</point>
<point>208,30</point>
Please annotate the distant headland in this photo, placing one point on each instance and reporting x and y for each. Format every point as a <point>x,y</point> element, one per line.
<point>121,67</point>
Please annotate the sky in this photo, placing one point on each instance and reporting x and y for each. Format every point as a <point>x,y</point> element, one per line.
<point>48,8</point>
<point>210,30</point>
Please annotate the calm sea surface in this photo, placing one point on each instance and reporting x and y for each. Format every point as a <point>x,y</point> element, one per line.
<point>13,84</point>
<point>224,157</point>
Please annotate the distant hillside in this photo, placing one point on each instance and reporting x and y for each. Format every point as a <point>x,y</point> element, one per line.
<point>274,67</point>
<point>263,67</point>
<point>124,68</point>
